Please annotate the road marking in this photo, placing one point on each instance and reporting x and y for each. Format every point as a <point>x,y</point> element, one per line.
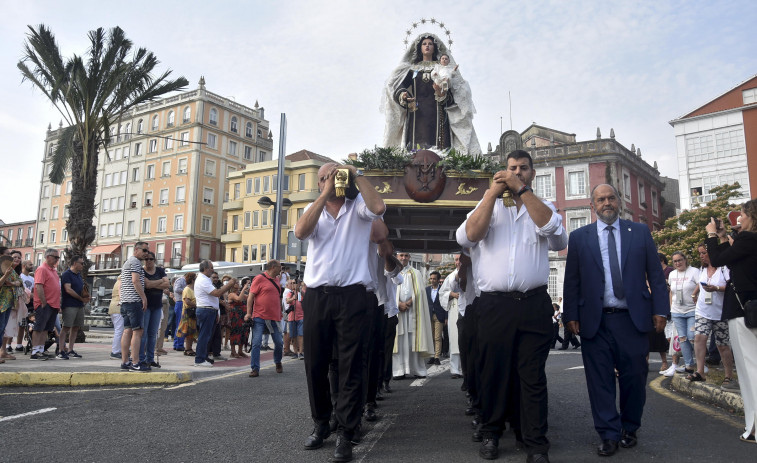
<point>79,391</point>
<point>23,415</point>
<point>656,385</point>
<point>229,375</point>
<point>575,368</point>
<point>373,436</point>
<point>430,373</point>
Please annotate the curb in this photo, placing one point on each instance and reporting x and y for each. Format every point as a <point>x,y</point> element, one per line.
<point>708,393</point>
<point>78,379</point>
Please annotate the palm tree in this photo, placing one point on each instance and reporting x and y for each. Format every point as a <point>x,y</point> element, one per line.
<point>91,92</point>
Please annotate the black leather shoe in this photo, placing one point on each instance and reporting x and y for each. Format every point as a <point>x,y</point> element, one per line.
<point>489,449</point>
<point>370,413</point>
<point>315,439</point>
<point>477,436</point>
<point>455,376</point>
<point>476,421</point>
<point>430,361</point>
<point>537,458</point>
<point>343,450</point>
<point>608,448</point>
<point>398,378</point>
<point>357,436</point>
<point>437,361</point>
<point>379,395</point>
<point>333,424</point>
<point>388,388</point>
<point>628,439</point>
<point>470,411</point>
<point>562,348</point>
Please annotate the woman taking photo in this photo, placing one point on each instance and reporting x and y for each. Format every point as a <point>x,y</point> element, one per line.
<point>188,324</point>
<point>740,255</point>
<point>237,309</point>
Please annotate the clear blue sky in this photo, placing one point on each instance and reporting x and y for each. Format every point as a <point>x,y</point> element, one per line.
<point>570,65</point>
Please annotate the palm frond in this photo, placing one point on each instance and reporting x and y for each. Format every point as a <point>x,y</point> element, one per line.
<point>61,158</point>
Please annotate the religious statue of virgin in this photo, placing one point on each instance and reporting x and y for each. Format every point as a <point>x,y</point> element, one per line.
<point>421,113</point>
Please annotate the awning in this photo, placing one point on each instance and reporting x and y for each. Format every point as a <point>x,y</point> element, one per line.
<point>105,249</point>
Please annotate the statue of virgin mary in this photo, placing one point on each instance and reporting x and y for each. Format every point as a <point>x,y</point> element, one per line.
<point>421,114</point>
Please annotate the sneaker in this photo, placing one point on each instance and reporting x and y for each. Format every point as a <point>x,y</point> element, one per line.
<point>680,369</point>
<point>670,371</point>
<point>210,360</point>
<point>706,370</point>
<point>139,367</point>
<point>19,349</point>
<point>154,365</point>
<point>72,353</point>
<point>115,356</point>
<point>205,364</point>
<point>62,355</point>
<point>38,356</point>
<point>302,356</point>
<point>126,366</point>
<point>730,384</point>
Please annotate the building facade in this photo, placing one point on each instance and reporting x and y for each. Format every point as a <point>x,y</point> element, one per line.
<point>567,170</point>
<point>161,179</point>
<point>717,144</point>
<point>248,226</point>
<point>19,236</point>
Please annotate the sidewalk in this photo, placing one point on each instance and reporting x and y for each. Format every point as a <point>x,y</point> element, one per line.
<point>96,368</point>
<point>709,393</point>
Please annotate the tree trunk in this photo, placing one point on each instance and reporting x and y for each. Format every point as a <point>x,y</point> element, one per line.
<point>81,230</point>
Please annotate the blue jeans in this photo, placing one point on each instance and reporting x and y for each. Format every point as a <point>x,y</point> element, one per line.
<point>257,335</point>
<point>684,323</point>
<point>151,325</point>
<point>206,319</point>
<point>178,341</point>
<point>4,320</point>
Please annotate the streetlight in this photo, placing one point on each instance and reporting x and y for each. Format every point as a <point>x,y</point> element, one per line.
<point>286,203</point>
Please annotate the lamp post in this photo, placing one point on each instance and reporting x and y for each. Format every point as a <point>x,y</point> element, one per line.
<point>266,202</point>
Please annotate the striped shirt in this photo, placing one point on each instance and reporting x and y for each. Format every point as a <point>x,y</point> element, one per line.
<point>128,292</point>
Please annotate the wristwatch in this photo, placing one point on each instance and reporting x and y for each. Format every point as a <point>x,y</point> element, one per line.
<point>359,172</point>
<point>524,189</point>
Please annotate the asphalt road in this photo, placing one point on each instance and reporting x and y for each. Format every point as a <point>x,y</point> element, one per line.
<point>266,419</point>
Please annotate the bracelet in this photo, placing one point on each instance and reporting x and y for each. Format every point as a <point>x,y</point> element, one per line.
<point>712,235</point>
<point>524,189</point>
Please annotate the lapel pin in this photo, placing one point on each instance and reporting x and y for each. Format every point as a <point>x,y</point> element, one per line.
<point>629,229</point>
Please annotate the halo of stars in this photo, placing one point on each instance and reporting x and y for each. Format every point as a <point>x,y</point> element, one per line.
<point>423,22</point>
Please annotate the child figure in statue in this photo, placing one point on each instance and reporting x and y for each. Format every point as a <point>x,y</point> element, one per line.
<point>443,72</point>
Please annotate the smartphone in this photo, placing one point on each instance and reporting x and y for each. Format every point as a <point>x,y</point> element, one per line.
<point>718,224</point>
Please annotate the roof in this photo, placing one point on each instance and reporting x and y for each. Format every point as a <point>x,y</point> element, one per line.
<point>304,155</point>
<point>714,105</point>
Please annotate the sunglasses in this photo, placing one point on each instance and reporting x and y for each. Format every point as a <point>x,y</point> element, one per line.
<point>149,258</point>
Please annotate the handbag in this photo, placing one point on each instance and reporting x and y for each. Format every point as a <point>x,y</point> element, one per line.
<point>85,291</point>
<point>749,308</point>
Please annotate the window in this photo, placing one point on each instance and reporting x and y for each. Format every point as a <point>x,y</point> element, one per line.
<point>205,224</point>
<point>153,146</point>
<point>187,115</point>
<point>55,216</point>
<point>119,229</point>
<point>207,195</point>
<point>261,156</point>
<point>133,201</point>
<point>150,172</point>
<point>164,196</point>
<point>248,130</point>
<point>257,185</point>
<point>627,186</point>
<point>140,126</point>
<point>123,177</point>
<point>552,283</point>
<point>130,227</point>
<point>576,184</point>
<point>266,184</point>
<point>103,231</point>
<point>264,217</point>
<point>30,233</point>
<point>255,215</point>
<point>63,237</point>
<point>260,133</point>
<point>204,251</point>
<point>301,182</point>
<point>169,143</point>
<point>300,211</point>
<point>184,139</point>
<point>137,149</point>
<point>182,166</point>
<point>10,234</point>
<point>43,214</point>
<point>247,219</point>
<point>41,237</point>
<point>285,218</point>
<point>235,223</point>
<point>160,253</point>
<point>642,195</point>
<point>286,182</point>
<point>69,187</point>
<point>233,127</point>
<point>253,253</point>
<point>176,251</point>
<point>148,198</point>
<point>210,168</point>
<point>155,122</point>
<point>248,153</point>
<point>52,236</point>
<point>146,226</point>
<point>213,116</point>
<point>66,211</point>
<point>654,203</point>
<point>232,148</point>
<point>170,119</point>
<point>212,140</point>
<point>161,224</point>
<point>749,96</point>
<point>543,186</point>
<point>111,229</point>
<point>237,188</point>
<point>262,252</point>
<point>245,253</point>
<point>576,222</point>
<point>117,154</point>
<point>108,180</point>
<point>56,190</point>
<point>180,193</point>
<point>121,200</point>
<point>46,191</point>
<point>166,170</point>
<point>127,132</point>
<point>178,223</point>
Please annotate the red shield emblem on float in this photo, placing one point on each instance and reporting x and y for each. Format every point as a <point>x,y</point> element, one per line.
<point>424,180</point>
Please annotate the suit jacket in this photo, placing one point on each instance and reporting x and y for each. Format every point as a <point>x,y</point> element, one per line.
<point>584,284</point>
<point>435,307</point>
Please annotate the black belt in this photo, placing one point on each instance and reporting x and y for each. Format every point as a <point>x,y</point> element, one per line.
<point>337,289</point>
<point>517,295</point>
<point>614,309</point>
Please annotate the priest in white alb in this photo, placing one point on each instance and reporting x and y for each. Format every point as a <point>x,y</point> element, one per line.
<point>414,341</point>
<point>449,294</point>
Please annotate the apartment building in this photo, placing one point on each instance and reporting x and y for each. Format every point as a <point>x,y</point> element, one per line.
<point>161,179</point>
<point>19,236</point>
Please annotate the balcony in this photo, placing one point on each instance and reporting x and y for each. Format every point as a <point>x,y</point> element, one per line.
<point>176,262</point>
<point>233,205</point>
<point>18,243</point>
<point>304,195</point>
<point>29,242</point>
<point>231,238</point>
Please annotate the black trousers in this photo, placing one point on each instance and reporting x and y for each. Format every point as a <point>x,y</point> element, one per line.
<point>445,341</point>
<point>514,337</point>
<point>390,332</point>
<point>469,352</point>
<point>336,319</point>
<point>569,338</point>
<point>376,353</point>
<point>556,327</point>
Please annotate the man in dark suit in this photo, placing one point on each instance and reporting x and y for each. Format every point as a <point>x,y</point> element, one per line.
<point>438,316</point>
<point>607,301</point>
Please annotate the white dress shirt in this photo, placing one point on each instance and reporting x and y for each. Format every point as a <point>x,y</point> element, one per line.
<point>339,248</point>
<point>513,255</point>
<point>203,288</point>
<point>390,306</point>
<point>610,299</point>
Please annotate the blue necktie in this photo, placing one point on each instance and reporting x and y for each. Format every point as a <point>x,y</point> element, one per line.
<point>612,251</point>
